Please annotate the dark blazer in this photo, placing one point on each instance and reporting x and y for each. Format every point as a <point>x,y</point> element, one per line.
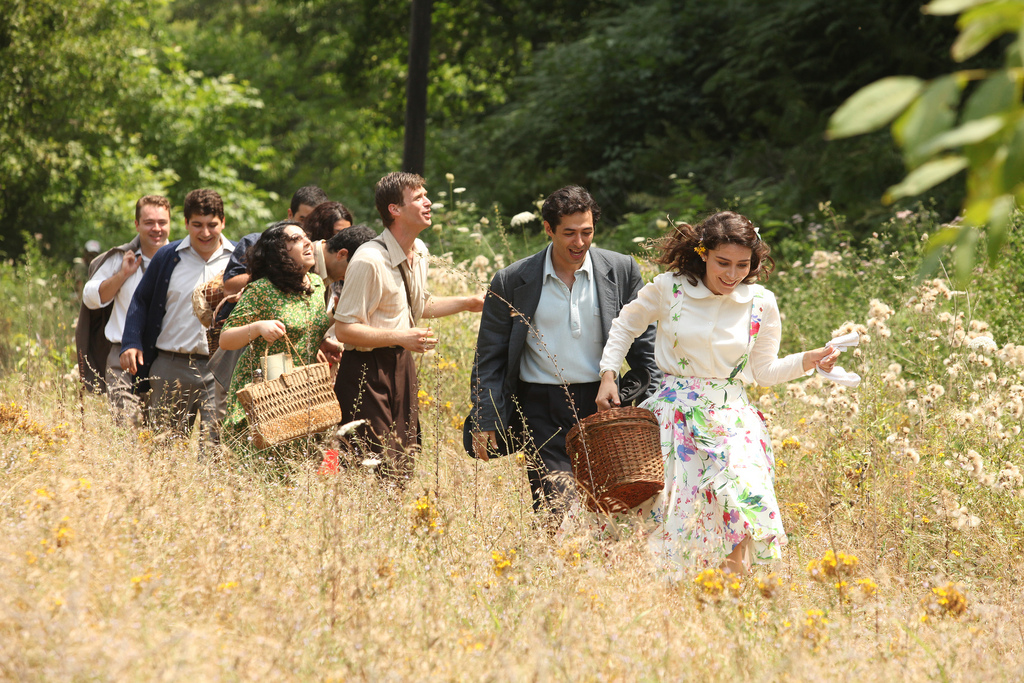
<point>149,304</point>
<point>90,330</point>
<point>508,311</point>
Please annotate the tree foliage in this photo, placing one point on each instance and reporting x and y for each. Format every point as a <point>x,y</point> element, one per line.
<point>111,99</point>
<point>969,120</point>
<point>92,117</point>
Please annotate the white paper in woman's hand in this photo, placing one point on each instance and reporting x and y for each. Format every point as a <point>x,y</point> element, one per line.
<point>838,374</point>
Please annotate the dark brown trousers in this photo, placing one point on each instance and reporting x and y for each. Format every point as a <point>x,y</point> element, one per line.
<point>380,386</point>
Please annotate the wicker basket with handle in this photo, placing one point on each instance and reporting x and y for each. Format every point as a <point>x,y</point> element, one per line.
<point>616,458</point>
<point>297,404</point>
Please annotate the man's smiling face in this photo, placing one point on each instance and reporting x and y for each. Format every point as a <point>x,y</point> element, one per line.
<point>570,240</point>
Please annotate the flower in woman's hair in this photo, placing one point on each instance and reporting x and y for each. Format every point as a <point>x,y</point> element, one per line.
<point>701,249</point>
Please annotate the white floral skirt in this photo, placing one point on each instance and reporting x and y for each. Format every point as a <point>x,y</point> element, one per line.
<point>719,477</point>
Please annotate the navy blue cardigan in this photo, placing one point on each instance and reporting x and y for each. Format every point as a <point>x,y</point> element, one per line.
<point>149,304</point>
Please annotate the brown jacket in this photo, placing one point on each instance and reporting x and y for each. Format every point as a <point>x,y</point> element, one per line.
<point>90,341</point>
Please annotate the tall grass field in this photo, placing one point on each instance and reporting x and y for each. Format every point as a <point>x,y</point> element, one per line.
<point>126,556</point>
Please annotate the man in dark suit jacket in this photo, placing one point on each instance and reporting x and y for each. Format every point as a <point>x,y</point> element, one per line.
<point>544,325</point>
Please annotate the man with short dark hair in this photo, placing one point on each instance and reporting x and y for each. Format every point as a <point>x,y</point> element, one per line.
<point>544,325</point>
<point>114,276</point>
<point>304,201</point>
<point>339,249</point>
<point>163,333</point>
<point>377,316</point>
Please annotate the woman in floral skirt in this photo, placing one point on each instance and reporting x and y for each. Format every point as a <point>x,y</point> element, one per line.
<point>717,332</point>
<point>281,310</point>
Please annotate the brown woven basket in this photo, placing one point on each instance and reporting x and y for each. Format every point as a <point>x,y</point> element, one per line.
<point>296,404</point>
<point>616,457</point>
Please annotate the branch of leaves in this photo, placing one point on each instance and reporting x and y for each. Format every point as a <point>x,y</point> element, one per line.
<point>943,127</point>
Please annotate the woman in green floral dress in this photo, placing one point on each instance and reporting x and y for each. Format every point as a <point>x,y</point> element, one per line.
<point>281,304</point>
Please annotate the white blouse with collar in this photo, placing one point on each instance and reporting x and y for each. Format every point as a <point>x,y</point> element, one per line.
<point>701,334</point>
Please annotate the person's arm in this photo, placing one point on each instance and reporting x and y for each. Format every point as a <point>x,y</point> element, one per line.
<point>240,337</point>
<point>441,306</point>
<point>641,352</point>
<point>94,294</point>
<point>766,366</point>
<point>635,319</point>
<point>138,314</point>
<point>418,339</point>
<point>235,284</point>
<point>236,274</point>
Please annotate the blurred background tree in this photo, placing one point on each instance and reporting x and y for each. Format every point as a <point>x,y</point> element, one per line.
<point>105,100</point>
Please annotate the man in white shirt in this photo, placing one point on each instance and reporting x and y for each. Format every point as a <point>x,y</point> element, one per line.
<point>108,293</point>
<point>162,333</point>
<point>544,325</point>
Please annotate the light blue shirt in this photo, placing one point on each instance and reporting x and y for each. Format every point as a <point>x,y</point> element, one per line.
<point>564,343</point>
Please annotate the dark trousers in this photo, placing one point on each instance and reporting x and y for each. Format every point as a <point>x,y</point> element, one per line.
<point>380,386</point>
<point>549,412</point>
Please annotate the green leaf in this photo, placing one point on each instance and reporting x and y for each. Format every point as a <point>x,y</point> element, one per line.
<point>929,116</point>
<point>873,106</point>
<point>998,222</point>
<point>998,94</point>
<point>925,177</point>
<point>983,24</point>
<point>947,7</point>
<point>964,257</point>
<point>934,251</point>
<point>968,134</point>
<point>1013,167</point>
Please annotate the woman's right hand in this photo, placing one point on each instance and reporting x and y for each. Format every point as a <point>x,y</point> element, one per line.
<point>824,358</point>
<point>271,330</point>
<point>608,394</point>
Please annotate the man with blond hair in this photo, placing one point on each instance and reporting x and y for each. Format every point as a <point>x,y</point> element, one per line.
<point>377,319</point>
<point>114,276</point>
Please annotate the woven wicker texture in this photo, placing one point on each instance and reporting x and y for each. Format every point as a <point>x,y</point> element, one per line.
<point>297,404</point>
<point>616,457</point>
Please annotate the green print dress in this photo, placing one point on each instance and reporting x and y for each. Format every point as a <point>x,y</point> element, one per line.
<point>719,466</point>
<point>305,319</point>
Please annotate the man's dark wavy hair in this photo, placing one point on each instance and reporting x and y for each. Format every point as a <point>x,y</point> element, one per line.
<point>310,195</point>
<point>269,258</point>
<point>567,201</point>
<point>203,202</point>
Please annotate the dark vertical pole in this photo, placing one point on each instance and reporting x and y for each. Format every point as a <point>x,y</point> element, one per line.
<point>416,87</point>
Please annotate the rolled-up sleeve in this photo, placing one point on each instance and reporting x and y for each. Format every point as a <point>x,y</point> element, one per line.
<point>91,290</point>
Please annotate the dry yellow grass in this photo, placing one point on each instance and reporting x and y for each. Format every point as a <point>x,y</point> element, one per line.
<point>126,558</point>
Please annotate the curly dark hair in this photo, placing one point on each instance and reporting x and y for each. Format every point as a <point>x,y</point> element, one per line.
<point>680,249</point>
<point>567,201</point>
<point>203,202</point>
<point>320,222</point>
<point>269,258</point>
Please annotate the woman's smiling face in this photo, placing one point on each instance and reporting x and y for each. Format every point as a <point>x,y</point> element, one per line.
<point>727,266</point>
<point>300,249</point>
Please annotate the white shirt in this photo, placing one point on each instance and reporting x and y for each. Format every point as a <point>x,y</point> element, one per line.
<point>564,342</point>
<point>122,299</point>
<point>182,332</point>
<point>701,334</point>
